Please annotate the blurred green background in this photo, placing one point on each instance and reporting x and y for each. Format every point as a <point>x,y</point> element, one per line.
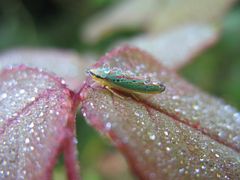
<point>58,23</point>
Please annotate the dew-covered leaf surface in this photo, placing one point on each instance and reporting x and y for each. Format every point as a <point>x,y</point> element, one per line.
<point>37,118</point>
<point>174,48</point>
<point>66,64</point>
<point>181,133</point>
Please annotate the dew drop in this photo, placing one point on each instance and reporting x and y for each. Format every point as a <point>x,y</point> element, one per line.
<point>27,141</point>
<point>138,113</point>
<point>75,141</point>
<point>168,149</point>
<point>32,99</point>
<point>4,162</point>
<point>222,134</point>
<point>175,97</point>
<point>63,82</point>
<point>177,110</point>
<point>151,136</point>
<point>22,91</point>
<point>181,171</point>
<point>196,107</point>
<point>197,171</point>
<point>236,139</point>
<point>3,96</point>
<point>217,155</point>
<point>166,133</point>
<point>237,117</point>
<point>147,80</point>
<point>31,125</point>
<point>117,71</point>
<point>108,126</point>
<point>106,67</point>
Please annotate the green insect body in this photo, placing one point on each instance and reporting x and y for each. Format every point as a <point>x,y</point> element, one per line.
<point>124,82</point>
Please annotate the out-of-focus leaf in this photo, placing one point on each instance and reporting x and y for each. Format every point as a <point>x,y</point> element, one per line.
<point>37,120</point>
<point>176,31</point>
<point>66,64</point>
<point>174,48</point>
<point>153,16</point>
<point>181,133</point>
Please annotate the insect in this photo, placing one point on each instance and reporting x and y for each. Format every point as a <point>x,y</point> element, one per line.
<point>118,80</point>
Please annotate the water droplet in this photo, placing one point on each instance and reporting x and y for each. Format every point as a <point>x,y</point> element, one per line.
<point>106,66</point>
<point>75,141</point>
<point>147,80</point>
<point>4,162</point>
<point>117,71</point>
<point>177,110</point>
<point>175,97</point>
<point>168,149</point>
<point>31,125</point>
<point>38,138</point>
<point>166,133</point>
<point>63,82</point>
<point>3,96</point>
<point>196,107</point>
<point>222,134</point>
<point>217,155</point>
<point>197,171</point>
<point>22,91</point>
<point>108,126</point>
<point>35,90</point>
<point>27,141</point>
<point>32,99</point>
<point>151,136</point>
<point>237,117</point>
<point>138,113</point>
<point>236,139</point>
<point>181,171</point>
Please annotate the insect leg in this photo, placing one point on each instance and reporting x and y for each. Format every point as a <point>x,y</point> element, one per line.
<point>135,96</point>
<point>115,93</point>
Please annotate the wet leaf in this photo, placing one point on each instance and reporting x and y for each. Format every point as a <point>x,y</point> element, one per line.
<point>37,121</point>
<point>66,64</point>
<point>181,133</point>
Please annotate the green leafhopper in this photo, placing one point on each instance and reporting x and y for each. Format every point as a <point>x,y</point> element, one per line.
<point>118,80</point>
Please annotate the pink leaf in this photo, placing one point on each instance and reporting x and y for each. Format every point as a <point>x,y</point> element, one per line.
<point>66,64</point>
<point>181,133</point>
<point>37,120</point>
